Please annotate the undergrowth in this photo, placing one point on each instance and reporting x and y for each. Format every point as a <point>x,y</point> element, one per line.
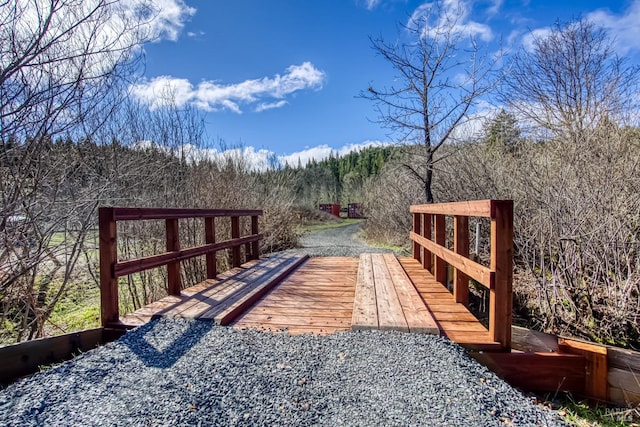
<point>580,413</point>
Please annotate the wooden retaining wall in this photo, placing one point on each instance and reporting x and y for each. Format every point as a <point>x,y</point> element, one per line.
<point>27,357</point>
<point>623,376</point>
<point>612,374</point>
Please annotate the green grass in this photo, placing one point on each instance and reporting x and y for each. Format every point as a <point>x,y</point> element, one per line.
<point>58,238</point>
<point>80,309</point>
<point>581,414</point>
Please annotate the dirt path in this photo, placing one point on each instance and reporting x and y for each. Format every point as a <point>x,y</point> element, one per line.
<point>337,241</point>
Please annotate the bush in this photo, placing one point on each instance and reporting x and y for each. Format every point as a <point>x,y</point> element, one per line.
<point>576,220</point>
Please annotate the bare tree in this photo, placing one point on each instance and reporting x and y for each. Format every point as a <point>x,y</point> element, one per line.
<point>570,79</point>
<point>61,65</point>
<point>442,73</point>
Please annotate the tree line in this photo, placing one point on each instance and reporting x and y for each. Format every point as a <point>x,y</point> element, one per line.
<point>337,179</point>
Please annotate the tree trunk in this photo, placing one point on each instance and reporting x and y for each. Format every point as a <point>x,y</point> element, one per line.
<point>429,177</point>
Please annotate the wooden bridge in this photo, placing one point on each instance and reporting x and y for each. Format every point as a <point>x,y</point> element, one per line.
<point>331,294</point>
<point>325,295</point>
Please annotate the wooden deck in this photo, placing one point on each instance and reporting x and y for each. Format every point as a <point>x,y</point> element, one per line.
<point>317,296</point>
<point>222,299</point>
<point>386,299</point>
<point>454,319</point>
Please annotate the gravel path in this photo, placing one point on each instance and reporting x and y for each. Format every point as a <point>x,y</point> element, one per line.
<point>337,241</point>
<point>180,372</point>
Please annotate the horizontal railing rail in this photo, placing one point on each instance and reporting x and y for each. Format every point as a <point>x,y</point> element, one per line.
<point>111,269</point>
<point>429,247</point>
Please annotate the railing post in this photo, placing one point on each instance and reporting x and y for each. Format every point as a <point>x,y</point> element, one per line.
<point>255,246</point>
<point>235,234</point>
<point>501,302</point>
<point>427,257</point>
<point>461,247</point>
<point>440,270</point>
<point>417,228</point>
<point>210,237</point>
<point>109,310</point>
<point>173,268</point>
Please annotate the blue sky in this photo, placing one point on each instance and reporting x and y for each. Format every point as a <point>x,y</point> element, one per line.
<point>282,76</point>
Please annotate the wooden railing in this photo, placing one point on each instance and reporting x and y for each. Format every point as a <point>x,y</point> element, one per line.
<point>111,268</point>
<point>429,247</point>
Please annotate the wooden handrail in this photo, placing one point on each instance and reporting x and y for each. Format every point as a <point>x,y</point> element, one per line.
<point>477,272</point>
<point>434,256</point>
<point>131,214</point>
<point>111,268</point>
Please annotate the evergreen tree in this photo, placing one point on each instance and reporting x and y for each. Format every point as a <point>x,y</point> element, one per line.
<point>502,131</point>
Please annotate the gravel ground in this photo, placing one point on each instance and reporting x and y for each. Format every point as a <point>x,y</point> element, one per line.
<point>181,372</point>
<point>338,241</point>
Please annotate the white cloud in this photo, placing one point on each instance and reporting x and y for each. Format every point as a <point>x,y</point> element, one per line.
<point>158,19</point>
<point>101,33</point>
<point>267,92</point>
<point>371,4</point>
<point>166,18</point>
<point>195,34</point>
<point>252,159</point>
<point>471,128</point>
<point>323,151</point>
<point>513,37</point>
<point>270,105</point>
<point>449,16</point>
<point>495,7</point>
<point>537,34</point>
<point>624,28</point>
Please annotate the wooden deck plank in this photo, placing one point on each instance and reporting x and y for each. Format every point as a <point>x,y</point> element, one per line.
<point>365,309</point>
<point>161,306</point>
<point>390,315</point>
<point>313,292</point>
<point>418,318</point>
<point>208,299</point>
<point>454,319</point>
<point>203,301</point>
<point>456,316</point>
<point>442,307</point>
<point>314,307</point>
<point>291,329</point>
<point>280,299</point>
<point>133,320</point>
<point>303,311</point>
<point>303,320</point>
<point>235,305</point>
<point>459,326</point>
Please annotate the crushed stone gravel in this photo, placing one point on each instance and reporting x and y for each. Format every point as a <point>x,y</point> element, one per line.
<point>191,372</point>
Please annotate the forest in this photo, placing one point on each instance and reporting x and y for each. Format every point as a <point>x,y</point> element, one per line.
<point>561,139</point>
